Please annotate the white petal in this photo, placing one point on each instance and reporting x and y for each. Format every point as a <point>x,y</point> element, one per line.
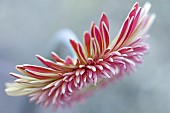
<point>55,97</point>
<point>69,87</point>
<point>99,67</point>
<point>95,78</point>
<point>90,74</point>
<point>77,79</point>
<point>106,74</point>
<point>63,88</point>
<point>82,71</point>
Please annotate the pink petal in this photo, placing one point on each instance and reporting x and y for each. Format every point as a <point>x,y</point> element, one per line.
<point>69,60</point>
<point>132,26</point>
<point>29,73</point>
<point>105,20</point>
<point>75,47</point>
<point>49,63</point>
<point>92,29</point>
<point>94,49</point>
<point>98,37</point>
<point>38,69</point>
<point>129,31</point>
<point>136,19</point>
<point>56,57</point>
<point>87,42</point>
<point>134,9</point>
<point>122,32</point>
<point>81,53</point>
<point>105,33</point>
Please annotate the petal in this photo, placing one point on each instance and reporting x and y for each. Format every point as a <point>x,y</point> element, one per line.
<point>120,36</point>
<point>75,47</point>
<point>78,50</point>
<point>87,43</point>
<point>39,69</point>
<point>94,49</point>
<point>92,29</point>
<point>49,63</point>
<point>132,28</point>
<point>99,40</point>
<point>40,75</point>
<point>69,61</point>
<point>81,53</point>
<point>105,33</point>
<point>133,12</point>
<point>104,19</point>
<point>129,31</point>
<point>56,57</point>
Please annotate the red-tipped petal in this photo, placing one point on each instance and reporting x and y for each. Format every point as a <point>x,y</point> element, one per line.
<point>122,33</point>
<point>92,29</point>
<point>74,45</point>
<point>29,73</point>
<point>87,43</point>
<point>41,74</point>
<point>69,60</point>
<point>94,49</point>
<point>21,67</point>
<point>38,68</point>
<point>81,53</point>
<point>105,35</point>
<point>136,18</point>
<point>56,57</point>
<point>78,50</point>
<point>15,75</point>
<point>99,40</point>
<point>105,20</point>
<point>129,31</point>
<point>49,63</point>
<point>136,5</point>
<point>134,9</point>
<point>133,26</point>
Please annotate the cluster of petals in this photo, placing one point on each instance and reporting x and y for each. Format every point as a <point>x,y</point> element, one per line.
<point>99,61</point>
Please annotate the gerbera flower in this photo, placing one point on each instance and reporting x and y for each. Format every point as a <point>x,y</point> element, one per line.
<point>98,62</point>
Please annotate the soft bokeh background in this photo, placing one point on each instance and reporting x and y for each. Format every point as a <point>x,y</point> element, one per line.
<point>27,26</point>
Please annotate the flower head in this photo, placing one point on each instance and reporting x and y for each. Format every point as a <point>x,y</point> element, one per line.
<point>98,62</point>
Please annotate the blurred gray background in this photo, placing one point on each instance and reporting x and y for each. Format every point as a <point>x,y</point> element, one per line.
<point>27,26</point>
